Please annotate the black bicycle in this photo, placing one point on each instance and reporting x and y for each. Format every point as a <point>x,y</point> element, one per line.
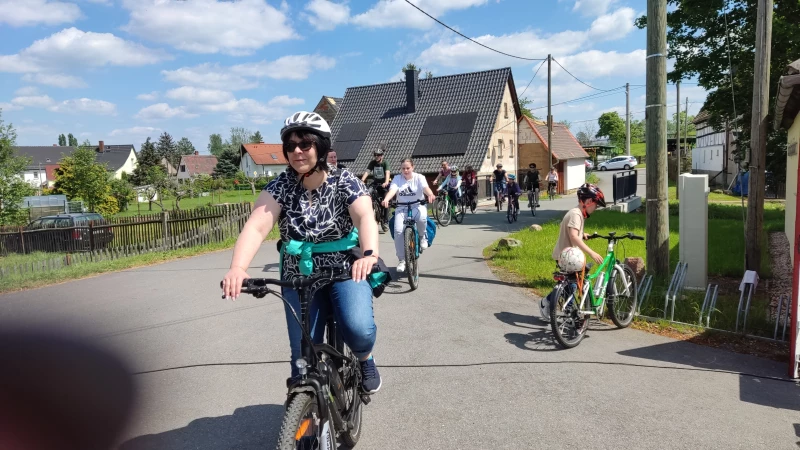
<point>411,240</point>
<point>533,200</point>
<point>512,213</point>
<point>471,199</point>
<point>324,404</point>
<point>377,207</point>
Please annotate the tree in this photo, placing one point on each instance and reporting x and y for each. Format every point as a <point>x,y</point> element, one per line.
<point>699,36</point>
<point>215,145</point>
<point>123,192</point>
<point>256,138</point>
<point>12,187</point>
<point>671,125</point>
<point>72,141</point>
<point>228,164</point>
<point>166,148</point>
<point>566,123</point>
<point>185,147</point>
<point>584,139</point>
<point>80,176</point>
<point>524,103</point>
<point>412,66</point>
<point>238,137</point>
<point>148,158</point>
<point>612,125</point>
<point>62,140</point>
<point>638,131</point>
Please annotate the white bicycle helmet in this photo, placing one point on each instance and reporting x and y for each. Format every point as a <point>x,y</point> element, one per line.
<point>306,121</point>
<point>571,259</point>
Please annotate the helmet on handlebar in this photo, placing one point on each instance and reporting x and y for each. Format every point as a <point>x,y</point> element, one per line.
<point>589,191</point>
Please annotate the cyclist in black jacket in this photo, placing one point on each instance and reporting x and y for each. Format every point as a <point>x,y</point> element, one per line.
<point>531,181</point>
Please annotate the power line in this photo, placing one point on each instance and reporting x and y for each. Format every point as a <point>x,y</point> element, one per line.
<point>591,96</point>
<point>529,82</point>
<point>470,39</point>
<point>579,80</point>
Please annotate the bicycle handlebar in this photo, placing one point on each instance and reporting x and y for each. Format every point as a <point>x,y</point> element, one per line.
<point>421,202</point>
<point>331,274</point>
<point>613,236</point>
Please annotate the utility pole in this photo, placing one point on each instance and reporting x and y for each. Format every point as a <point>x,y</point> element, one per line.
<point>656,117</point>
<point>758,137</point>
<point>685,132</point>
<point>549,113</point>
<point>678,134</point>
<point>628,119</point>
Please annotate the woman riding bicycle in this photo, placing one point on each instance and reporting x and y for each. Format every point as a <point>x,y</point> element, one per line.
<point>469,180</point>
<point>513,190</point>
<point>552,179</point>
<point>500,179</point>
<point>409,187</point>
<point>453,185</point>
<point>311,207</point>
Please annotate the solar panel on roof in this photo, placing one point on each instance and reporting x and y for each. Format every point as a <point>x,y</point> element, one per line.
<point>350,140</point>
<point>447,134</point>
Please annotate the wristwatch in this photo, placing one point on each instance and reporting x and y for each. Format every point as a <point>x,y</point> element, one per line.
<point>369,253</point>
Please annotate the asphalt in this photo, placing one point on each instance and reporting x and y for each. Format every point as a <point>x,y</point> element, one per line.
<point>465,362</point>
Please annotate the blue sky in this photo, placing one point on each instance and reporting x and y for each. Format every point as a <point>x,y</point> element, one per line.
<point>123,70</point>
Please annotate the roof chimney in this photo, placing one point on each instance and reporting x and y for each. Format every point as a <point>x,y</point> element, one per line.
<point>101,148</point>
<point>55,145</point>
<point>412,90</point>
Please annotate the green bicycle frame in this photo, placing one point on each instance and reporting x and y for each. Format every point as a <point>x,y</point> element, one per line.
<point>607,268</point>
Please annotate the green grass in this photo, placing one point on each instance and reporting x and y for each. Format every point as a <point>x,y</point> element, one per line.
<point>191,203</point>
<point>712,196</point>
<point>638,151</point>
<point>21,260</point>
<point>40,279</point>
<point>534,263</point>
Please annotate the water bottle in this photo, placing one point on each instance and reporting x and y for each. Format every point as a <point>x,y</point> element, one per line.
<point>598,286</point>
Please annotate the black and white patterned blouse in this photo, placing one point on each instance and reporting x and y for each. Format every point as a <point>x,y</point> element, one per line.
<point>327,218</point>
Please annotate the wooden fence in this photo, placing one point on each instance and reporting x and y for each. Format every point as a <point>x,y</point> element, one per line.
<point>121,237</point>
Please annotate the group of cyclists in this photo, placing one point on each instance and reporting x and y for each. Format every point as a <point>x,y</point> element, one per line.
<point>324,212</point>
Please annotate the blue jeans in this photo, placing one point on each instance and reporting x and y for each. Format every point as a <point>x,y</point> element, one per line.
<point>352,307</point>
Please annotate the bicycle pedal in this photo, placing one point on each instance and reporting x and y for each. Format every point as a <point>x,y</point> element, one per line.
<point>365,399</point>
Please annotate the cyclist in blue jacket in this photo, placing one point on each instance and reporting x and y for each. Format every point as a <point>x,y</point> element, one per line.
<point>513,190</point>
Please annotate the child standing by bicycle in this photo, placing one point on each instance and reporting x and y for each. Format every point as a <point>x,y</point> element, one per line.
<point>409,187</point>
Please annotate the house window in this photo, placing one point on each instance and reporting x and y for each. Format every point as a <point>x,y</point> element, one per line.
<point>488,153</point>
<point>505,110</point>
<point>183,167</point>
<point>499,148</point>
<point>511,148</point>
<point>36,175</point>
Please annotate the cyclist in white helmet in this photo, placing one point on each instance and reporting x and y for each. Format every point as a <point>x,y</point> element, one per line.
<point>311,205</point>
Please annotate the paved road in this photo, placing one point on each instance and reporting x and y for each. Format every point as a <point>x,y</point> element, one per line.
<point>465,363</point>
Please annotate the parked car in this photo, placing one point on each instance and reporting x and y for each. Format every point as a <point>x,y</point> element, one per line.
<point>589,165</point>
<point>618,162</point>
<point>68,233</point>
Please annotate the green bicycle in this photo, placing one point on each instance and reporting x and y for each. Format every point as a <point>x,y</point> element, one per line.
<point>609,282</point>
<point>445,210</point>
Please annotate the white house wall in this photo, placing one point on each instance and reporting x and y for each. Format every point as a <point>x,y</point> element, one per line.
<point>248,166</point>
<point>128,167</point>
<point>507,131</point>
<point>575,173</point>
<point>793,148</point>
<point>709,154</point>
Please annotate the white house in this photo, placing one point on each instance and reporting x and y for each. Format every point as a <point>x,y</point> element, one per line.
<point>568,155</point>
<point>46,159</point>
<point>262,159</point>
<point>713,153</point>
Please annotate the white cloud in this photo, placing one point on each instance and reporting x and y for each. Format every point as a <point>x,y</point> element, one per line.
<point>101,2</point>
<point>54,79</point>
<point>85,105</point>
<point>34,101</point>
<point>210,76</point>
<point>613,26</point>
<point>327,15</point>
<point>209,26</point>
<point>5,106</point>
<point>162,111</point>
<point>398,13</point>
<point>136,132</point>
<point>27,91</point>
<point>76,49</point>
<point>244,76</point>
<point>151,96</point>
<point>285,100</point>
<point>247,109</point>
<point>19,13</point>
<point>596,64</point>
<point>593,7</point>
<point>189,94</point>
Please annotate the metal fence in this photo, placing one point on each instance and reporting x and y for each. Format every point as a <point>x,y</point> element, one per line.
<point>120,237</point>
<point>624,185</point>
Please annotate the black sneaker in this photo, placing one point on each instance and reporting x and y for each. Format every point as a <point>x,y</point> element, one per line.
<point>370,378</point>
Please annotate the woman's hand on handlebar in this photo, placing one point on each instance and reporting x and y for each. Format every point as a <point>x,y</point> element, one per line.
<point>431,198</point>
<point>385,203</point>
<point>362,267</point>
<point>232,283</point>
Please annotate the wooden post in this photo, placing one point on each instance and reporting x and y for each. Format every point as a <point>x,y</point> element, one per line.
<point>685,134</point>
<point>758,137</point>
<point>656,117</point>
<point>22,240</point>
<point>628,119</point>
<point>678,135</point>
<point>165,228</point>
<point>91,235</point>
<point>549,112</point>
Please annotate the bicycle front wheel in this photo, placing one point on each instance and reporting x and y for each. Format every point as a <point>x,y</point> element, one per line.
<point>622,297</point>
<point>412,267</point>
<point>301,428</point>
<point>444,213</point>
<point>460,211</point>
<point>567,325</point>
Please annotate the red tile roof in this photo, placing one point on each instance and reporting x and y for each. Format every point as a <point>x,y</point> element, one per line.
<point>197,164</point>
<point>266,154</point>
<point>565,146</point>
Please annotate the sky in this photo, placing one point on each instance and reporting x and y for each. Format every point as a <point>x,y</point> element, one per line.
<point>123,70</point>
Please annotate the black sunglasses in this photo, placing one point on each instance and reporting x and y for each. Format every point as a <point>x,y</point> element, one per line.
<point>289,146</point>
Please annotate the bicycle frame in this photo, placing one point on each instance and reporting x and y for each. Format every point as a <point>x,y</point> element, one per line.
<point>410,222</point>
<point>610,269</point>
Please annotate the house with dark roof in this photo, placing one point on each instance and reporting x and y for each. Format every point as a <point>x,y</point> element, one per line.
<point>45,160</point>
<point>262,160</point>
<point>328,107</point>
<point>196,164</point>
<point>465,119</point>
<point>714,151</point>
<point>568,155</point>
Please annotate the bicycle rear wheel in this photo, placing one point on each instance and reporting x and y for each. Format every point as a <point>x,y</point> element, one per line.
<point>568,328</point>
<point>622,304</point>
<point>412,269</point>
<point>301,429</point>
